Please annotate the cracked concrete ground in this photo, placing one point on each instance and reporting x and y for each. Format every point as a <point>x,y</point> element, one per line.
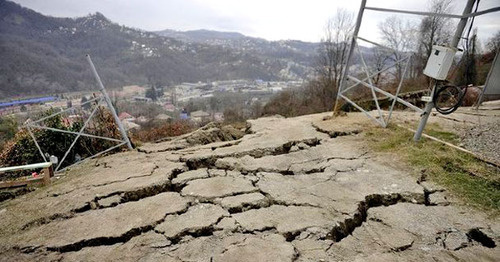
<point>297,189</point>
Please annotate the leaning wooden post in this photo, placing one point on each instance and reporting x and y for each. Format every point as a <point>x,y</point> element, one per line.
<point>48,172</point>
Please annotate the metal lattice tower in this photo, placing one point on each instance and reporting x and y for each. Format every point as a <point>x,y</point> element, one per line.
<point>367,82</point>
<point>96,101</point>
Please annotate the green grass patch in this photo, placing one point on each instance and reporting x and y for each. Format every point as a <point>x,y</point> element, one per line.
<point>436,131</point>
<point>473,181</point>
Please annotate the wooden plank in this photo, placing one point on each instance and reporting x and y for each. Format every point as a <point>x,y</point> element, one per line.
<point>29,181</point>
<point>48,172</point>
<point>25,167</point>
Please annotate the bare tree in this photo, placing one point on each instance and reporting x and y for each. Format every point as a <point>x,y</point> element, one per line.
<point>333,52</point>
<point>400,37</point>
<point>379,61</point>
<point>493,44</point>
<point>434,30</point>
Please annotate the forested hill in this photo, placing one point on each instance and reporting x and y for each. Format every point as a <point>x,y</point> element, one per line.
<point>46,55</point>
<point>299,51</point>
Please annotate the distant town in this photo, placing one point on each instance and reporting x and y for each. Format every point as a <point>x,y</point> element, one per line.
<point>134,102</point>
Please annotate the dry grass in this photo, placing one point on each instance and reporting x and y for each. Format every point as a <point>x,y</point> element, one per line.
<point>161,131</point>
<point>465,177</point>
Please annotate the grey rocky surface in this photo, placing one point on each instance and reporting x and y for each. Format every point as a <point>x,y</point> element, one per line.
<point>214,187</point>
<point>196,220</point>
<point>296,189</point>
<point>243,202</point>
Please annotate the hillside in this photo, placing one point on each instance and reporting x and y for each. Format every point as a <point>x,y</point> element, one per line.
<point>298,51</point>
<point>45,55</point>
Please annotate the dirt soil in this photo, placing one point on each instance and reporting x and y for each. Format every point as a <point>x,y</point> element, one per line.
<point>296,189</point>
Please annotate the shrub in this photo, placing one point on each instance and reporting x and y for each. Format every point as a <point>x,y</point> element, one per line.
<point>8,128</point>
<point>22,150</point>
<point>160,131</point>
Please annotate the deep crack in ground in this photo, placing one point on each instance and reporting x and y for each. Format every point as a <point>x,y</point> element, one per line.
<point>277,198</point>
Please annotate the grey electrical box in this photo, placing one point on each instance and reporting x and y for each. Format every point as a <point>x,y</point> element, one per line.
<point>439,62</point>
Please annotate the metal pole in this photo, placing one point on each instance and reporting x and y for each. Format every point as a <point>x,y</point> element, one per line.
<point>480,98</point>
<point>75,133</point>
<point>361,109</point>
<point>454,43</point>
<point>349,55</point>
<point>397,90</point>
<point>36,143</point>
<point>382,122</point>
<point>110,105</point>
<point>374,74</point>
<point>60,112</point>
<point>413,12</point>
<point>387,94</point>
<point>96,155</point>
<point>494,9</point>
<point>377,44</point>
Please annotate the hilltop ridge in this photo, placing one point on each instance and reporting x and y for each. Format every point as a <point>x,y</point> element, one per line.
<point>46,55</point>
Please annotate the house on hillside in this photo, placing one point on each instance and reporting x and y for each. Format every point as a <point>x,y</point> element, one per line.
<point>126,116</point>
<point>219,117</point>
<point>141,119</point>
<point>169,107</point>
<point>163,117</point>
<point>129,125</point>
<point>69,120</point>
<point>200,116</point>
<point>128,121</point>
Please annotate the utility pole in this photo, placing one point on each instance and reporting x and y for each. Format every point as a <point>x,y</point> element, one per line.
<point>108,102</point>
<point>456,39</point>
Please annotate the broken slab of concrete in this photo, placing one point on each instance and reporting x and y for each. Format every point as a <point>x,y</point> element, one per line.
<point>103,226</point>
<point>227,224</point>
<point>314,159</point>
<point>283,192</point>
<point>438,198</point>
<point>263,248</point>
<point>244,202</point>
<point>109,201</point>
<point>214,187</point>
<point>77,192</point>
<point>208,134</point>
<point>426,221</point>
<point>233,247</point>
<point>143,247</point>
<point>286,220</point>
<point>187,176</point>
<point>197,220</point>
<point>413,232</point>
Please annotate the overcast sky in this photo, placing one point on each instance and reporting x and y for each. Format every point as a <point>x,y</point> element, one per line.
<point>269,19</point>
